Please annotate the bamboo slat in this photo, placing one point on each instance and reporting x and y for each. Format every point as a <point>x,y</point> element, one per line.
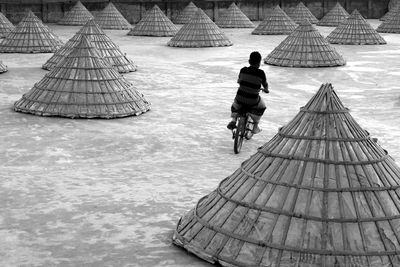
<point>334,17</point>
<point>305,47</point>
<point>201,31</point>
<point>111,18</point>
<point>83,85</point>
<point>78,15</point>
<point>107,48</point>
<point>154,23</point>
<point>355,30</point>
<point>5,26</point>
<point>186,14</point>
<point>30,36</point>
<point>301,13</point>
<point>392,23</point>
<point>276,22</point>
<point>308,209</point>
<point>3,68</point>
<point>233,17</point>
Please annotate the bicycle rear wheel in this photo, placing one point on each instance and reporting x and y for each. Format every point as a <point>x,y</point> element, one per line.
<point>240,131</point>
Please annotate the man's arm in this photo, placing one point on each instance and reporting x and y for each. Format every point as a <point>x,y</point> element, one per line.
<point>264,83</point>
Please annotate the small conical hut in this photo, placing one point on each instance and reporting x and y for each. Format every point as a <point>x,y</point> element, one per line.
<point>30,36</point>
<point>108,49</point>
<point>305,47</point>
<point>5,26</point>
<point>301,13</point>
<point>3,68</point>
<point>233,17</point>
<point>186,14</point>
<point>276,22</point>
<point>355,30</point>
<point>334,17</point>
<point>111,18</point>
<point>83,85</point>
<point>321,192</point>
<point>392,24</point>
<point>201,31</point>
<point>154,23</point>
<point>78,15</point>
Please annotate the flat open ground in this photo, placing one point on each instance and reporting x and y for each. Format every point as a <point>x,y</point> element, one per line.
<point>110,192</point>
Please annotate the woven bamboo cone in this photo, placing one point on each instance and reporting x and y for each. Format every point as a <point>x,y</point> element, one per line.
<point>305,47</point>
<point>355,30</point>
<point>78,15</point>
<point>301,13</point>
<point>83,85</point>
<point>5,26</point>
<point>154,23</point>
<point>320,193</point>
<point>30,36</point>
<point>276,22</point>
<point>201,31</point>
<point>110,18</point>
<point>186,14</point>
<point>3,68</point>
<point>334,17</point>
<point>233,17</point>
<point>392,24</point>
<point>108,49</point>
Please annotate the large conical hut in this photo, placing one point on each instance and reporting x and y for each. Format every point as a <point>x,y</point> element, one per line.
<point>186,14</point>
<point>301,13</point>
<point>276,22</point>
<point>154,23</point>
<point>233,17</point>
<point>83,85</point>
<point>334,17</point>
<point>321,192</point>
<point>3,68</point>
<point>108,49</point>
<point>305,47</point>
<point>78,15</point>
<point>30,36</point>
<point>355,30</point>
<point>201,31</point>
<point>5,26</point>
<point>111,18</point>
<point>391,25</point>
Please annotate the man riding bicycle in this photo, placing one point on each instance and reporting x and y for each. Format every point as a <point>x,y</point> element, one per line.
<point>247,97</point>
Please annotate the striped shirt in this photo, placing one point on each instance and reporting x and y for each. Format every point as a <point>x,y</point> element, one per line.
<point>250,81</point>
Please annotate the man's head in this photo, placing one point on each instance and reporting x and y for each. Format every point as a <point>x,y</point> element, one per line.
<point>255,59</point>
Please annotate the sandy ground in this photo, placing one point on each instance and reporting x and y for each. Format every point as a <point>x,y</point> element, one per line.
<point>110,192</point>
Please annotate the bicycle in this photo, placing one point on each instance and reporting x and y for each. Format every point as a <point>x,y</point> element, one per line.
<point>243,130</point>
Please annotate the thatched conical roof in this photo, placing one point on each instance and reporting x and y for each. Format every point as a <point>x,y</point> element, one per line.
<point>83,85</point>
<point>301,13</point>
<point>154,23</point>
<point>392,24</point>
<point>334,17</point>
<point>78,15</point>
<point>320,193</point>
<point>201,31</point>
<point>276,22</point>
<point>111,18</point>
<point>305,47</point>
<point>108,49</point>
<point>355,30</point>
<point>186,14</point>
<point>30,36</point>
<point>233,17</point>
<point>5,26</point>
<point>3,68</point>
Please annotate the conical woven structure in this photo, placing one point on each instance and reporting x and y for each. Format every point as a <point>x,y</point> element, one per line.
<point>155,23</point>
<point>30,36</point>
<point>305,47</point>
<point>276,22</point>
<point>320,193</point>
<point>390,13</point>
<point>78,15</point>
<point>392,24</point>
<point>83,85</point>
<point>3,68</point>
<point>5,26</point>
<point>233,17</point>
<point>301,13</point>
<point>201,31</point>
<point>111,18</point>
<point>355,30</point>
<point>108,49</point>
<point>334,17</point>
<point>186,14</point>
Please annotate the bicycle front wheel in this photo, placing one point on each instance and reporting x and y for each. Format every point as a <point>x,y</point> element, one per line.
<point>240,131</point>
